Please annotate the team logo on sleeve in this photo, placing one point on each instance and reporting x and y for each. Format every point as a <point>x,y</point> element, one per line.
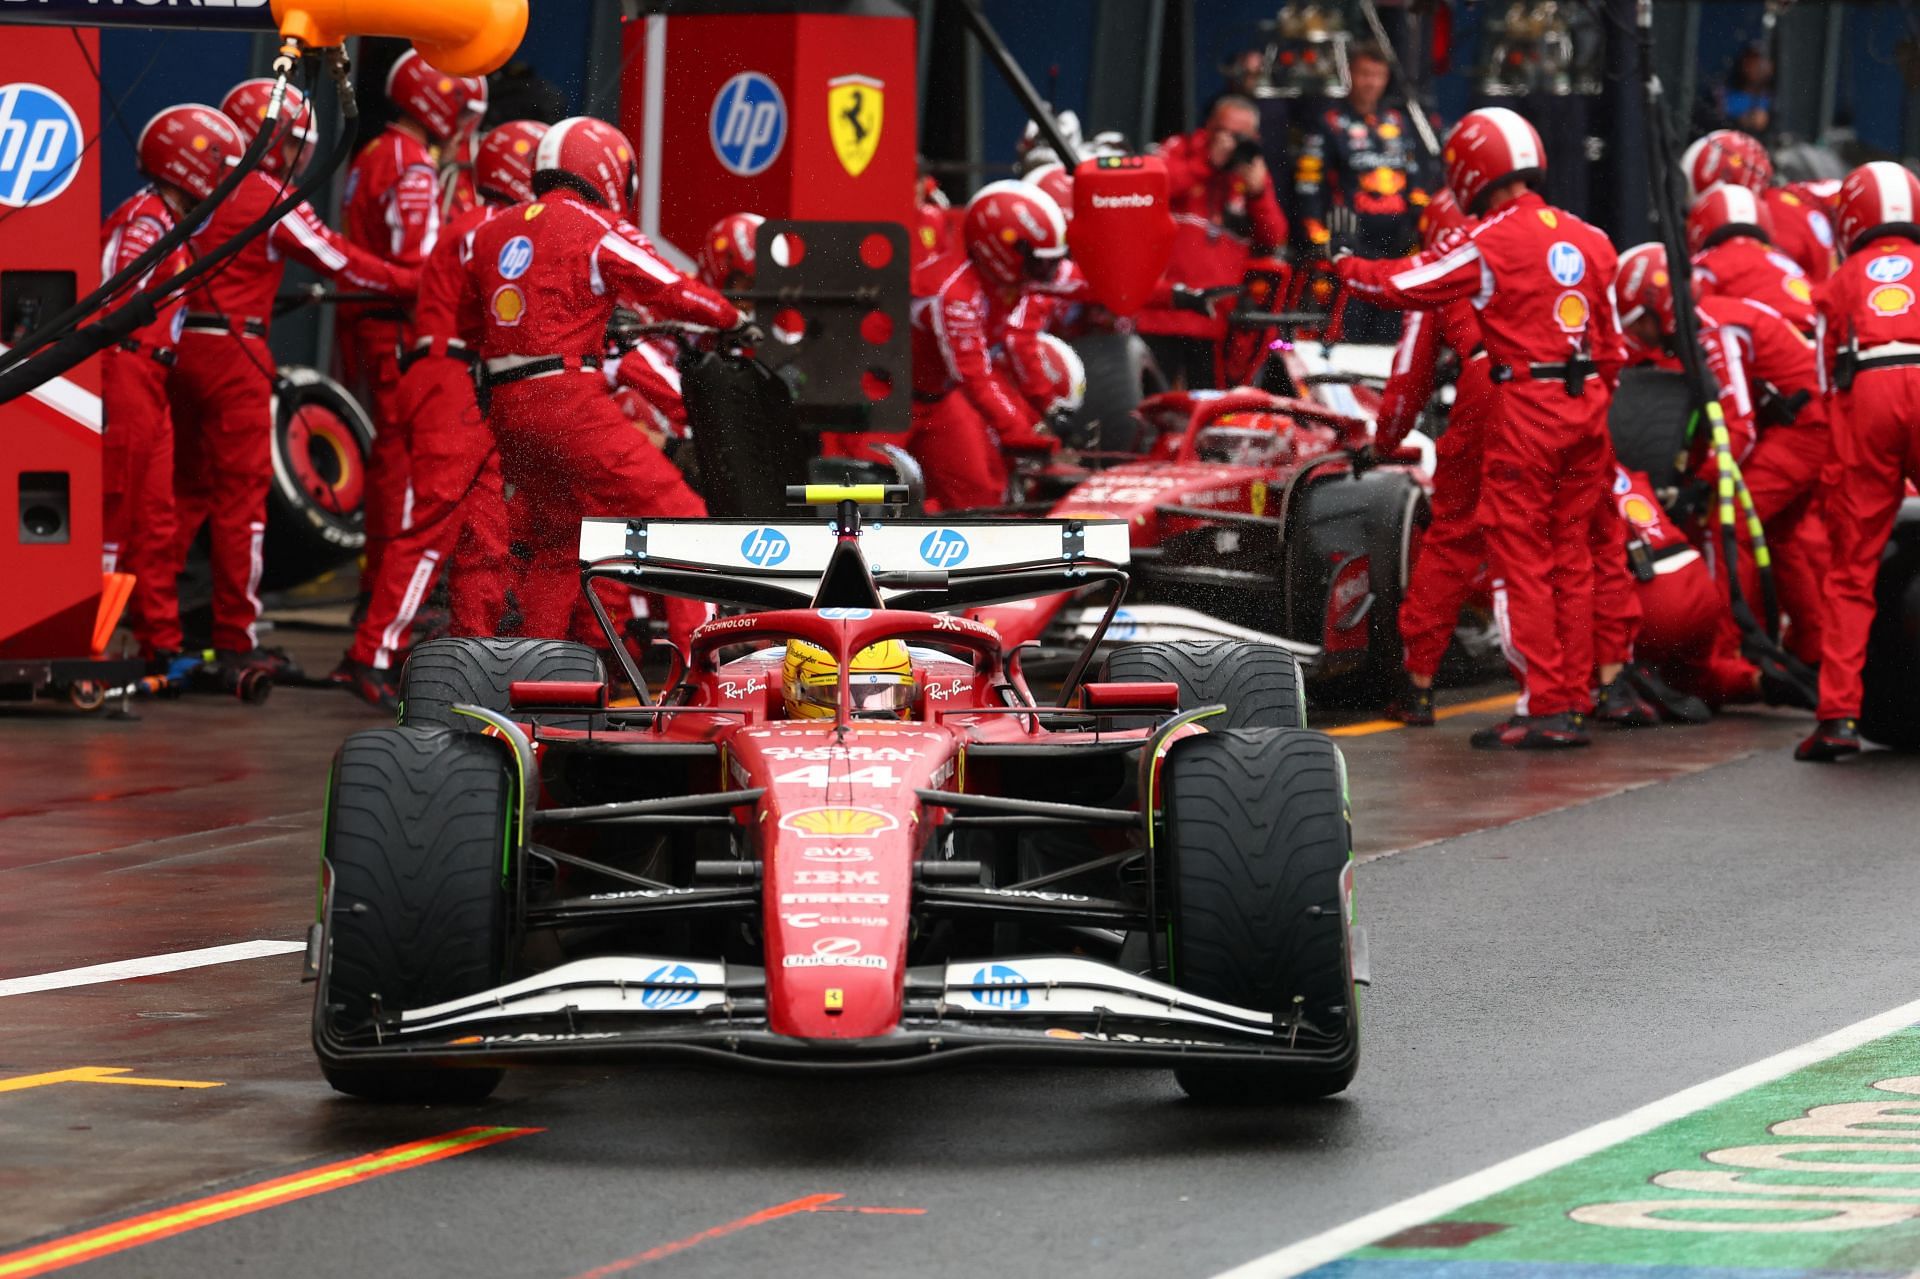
<point>1890,269</point>
<point>1570,312</point>
<point>516,255</point>
<point>854,105</point>
<point>1566,264</point>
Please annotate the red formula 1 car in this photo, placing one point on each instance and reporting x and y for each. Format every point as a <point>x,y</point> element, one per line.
<point>906,859</point>
<point>1251,517</point>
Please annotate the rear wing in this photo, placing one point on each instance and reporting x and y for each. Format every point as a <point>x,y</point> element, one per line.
<point>797,552</point>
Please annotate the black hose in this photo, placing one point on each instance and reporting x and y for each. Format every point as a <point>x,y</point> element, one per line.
<point>141,308</point>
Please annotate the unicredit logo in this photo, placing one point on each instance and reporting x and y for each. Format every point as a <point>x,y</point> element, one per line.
<point>1138,200</point>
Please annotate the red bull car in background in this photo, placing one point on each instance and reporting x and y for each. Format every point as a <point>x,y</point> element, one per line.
<point>926,867</point>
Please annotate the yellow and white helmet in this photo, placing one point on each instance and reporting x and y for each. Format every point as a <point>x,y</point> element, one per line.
<point>880,680</point>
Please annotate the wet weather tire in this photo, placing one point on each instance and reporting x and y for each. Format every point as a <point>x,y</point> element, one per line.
<point>1259,847</point>
<point>444,673</point>
<point>1259,684</point>
<point>417,907</point>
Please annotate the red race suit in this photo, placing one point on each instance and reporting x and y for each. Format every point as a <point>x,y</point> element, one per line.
<point>1743,267</point>
<point>137,523</point>
<point>222,387</point>
<point>543,280</point>
<point>1803,231</point>
<point>1541,280</point>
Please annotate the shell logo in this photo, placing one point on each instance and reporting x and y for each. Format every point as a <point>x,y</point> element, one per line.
<point>509,305</point>
<point>200,142</point>
<point>1638,511</point>
<point>1891,299</point>
<point>1570,312</point>
<point>445,85</point>
<point>846,823</point>
<point>1008,235</point>
<point>522,146</point>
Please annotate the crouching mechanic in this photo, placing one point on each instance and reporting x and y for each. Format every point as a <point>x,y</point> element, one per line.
<point>879,682</point>
<point>544,279</point>
<point>1870,362</point>
<point>1541,280</point>
<point>185,151</point>
<point>459,516</point>
<point>221,387</point>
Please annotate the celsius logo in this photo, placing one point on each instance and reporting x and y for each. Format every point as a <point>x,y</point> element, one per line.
<point>516,255</point>
<point>1007,987</point>
<point>673,976</point>
<point>39,145</point>
<point>748,123</point>
<point>1138,200</point>
<point>943,548</point>
<point>765,547</point>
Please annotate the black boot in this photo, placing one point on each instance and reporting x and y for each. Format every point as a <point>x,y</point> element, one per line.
<point>1532,733</point>
<point>373,686</point>
<point>1830,739</point>
<point>1621,705</point>
<point>1672,704</point>
<point>1412,706</point>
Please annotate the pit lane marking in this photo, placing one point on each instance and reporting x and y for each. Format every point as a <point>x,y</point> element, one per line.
<point>118,1236</point>
<point>146,966</point>
<point>99,1075</point>
<point>1366,728</point>
<point>1331,1245</point>
<point>793,1207</point>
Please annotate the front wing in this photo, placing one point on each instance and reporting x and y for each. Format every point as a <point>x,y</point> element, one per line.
<point>1067,1009</point>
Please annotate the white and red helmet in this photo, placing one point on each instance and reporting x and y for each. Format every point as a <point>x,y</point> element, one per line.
<point>593,158</point>
<point>1014,232</point>
<point>1058,184</point>
<point>190,146</point>
<point>441,104</point>
<point>729,250</point>
<point>1725,212</point>
<point>503,164</point>
<point>246,105</point>
<point>1643,286</point>
<point>1491,146</point>
<point>1875,199</point>
<point>1050,374</point>
<point>1726,156</point>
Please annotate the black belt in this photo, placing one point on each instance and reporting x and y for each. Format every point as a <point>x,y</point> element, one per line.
<point>451,350</point>
<point>1572,374</point>
<point>921,397</point>
<point>213,322</point>
<point>1886,362</point>
<point>539,367</point>
<point>161,355</point>
<point>393,314</point>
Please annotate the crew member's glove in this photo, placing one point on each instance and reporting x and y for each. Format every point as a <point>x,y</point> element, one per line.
<point>744,334</point>
<point>1343,230</point>
<point>1194,300</point>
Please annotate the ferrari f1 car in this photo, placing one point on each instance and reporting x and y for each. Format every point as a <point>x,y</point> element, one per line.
<point>881,868</point>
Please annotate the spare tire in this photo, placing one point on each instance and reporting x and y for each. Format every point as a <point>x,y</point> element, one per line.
<point>1648,421</point>
<point>321,441</point>
<point>1121,372</point>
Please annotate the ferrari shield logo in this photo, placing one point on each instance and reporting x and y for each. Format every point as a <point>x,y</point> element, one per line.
<point>853,120</point>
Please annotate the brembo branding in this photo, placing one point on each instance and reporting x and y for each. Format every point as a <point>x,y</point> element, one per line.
<point>1135,200</point>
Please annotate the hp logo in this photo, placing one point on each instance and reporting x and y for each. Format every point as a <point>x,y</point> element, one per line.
<point>39,145</point>
<point>765,547</point>
<point>1014,994</point>
<point>516,255</point>
<point>1566,263</point>
<point>670,975</point>
<point>748,124</point>
<point>943,548</point>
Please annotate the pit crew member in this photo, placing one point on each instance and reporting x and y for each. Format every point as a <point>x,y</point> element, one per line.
<point>1801,230</point>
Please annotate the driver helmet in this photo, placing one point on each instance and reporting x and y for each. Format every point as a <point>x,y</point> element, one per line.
<point>1244,439</point>
<point>880,681</point>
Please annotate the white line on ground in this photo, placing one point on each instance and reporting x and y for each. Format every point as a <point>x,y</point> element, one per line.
<point>1330,1245</point>
<point>146,966</point>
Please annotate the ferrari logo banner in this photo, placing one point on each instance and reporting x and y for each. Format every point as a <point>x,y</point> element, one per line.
<point>854,104</point>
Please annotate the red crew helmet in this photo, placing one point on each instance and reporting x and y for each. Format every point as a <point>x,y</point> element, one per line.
<point>1642,287</point>
<point>1726,156</point>
<point>1876,199</point>
<point>437,102</point>
<point>1489,147</point>
<point>1014,231</point>
<point>1058,184</point>
<point>190,146</point>
<point>1441,215</point>
<point>727,255</point>
<point>593,158</point>
<point>503,165</point>
<point>1725,212</point>
<point>246,105</point>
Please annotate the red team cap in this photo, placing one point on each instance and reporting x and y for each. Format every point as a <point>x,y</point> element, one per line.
<point>503,165</point>
<point>437,102</point>
<point>1014,231</point>
<point>1642,285</point>
<point>1058,184</point>
<point>1729,156</point>
<point>1878,199</point>
<point>246,105</point>
<point>593,158</point>
<point>190,146</point>
<point>1725,212</point>
<point>1489,147</point>
<point>729,249</point>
